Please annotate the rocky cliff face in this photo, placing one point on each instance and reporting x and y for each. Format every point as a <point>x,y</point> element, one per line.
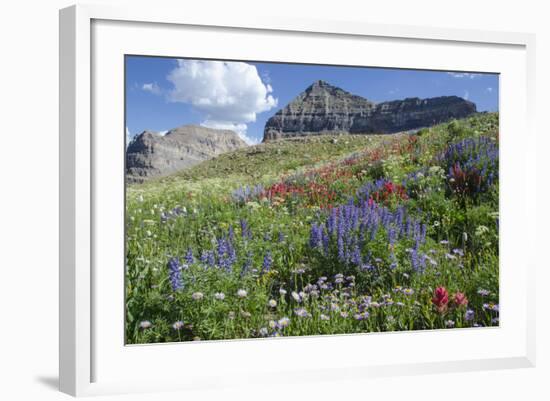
<point>152,155</point>
<point>323,108</point>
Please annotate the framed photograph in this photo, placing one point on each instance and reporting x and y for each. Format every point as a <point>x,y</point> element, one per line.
<point>340,199</point>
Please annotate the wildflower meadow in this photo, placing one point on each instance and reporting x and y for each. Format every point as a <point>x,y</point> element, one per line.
<point>320,235</point>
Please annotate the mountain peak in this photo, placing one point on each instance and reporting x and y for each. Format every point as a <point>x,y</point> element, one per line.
<point>153,155</point>
<point>324,108</point>
<point>321,86</point>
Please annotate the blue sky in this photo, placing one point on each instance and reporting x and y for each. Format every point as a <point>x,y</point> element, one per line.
<point>164,93</point>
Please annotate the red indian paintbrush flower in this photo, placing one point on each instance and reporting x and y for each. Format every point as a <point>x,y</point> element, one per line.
<point>460,299</point>
<point>441,299</point>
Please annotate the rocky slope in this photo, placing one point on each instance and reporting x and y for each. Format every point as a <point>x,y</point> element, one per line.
<point>323,108</point>
<point>151,154</point>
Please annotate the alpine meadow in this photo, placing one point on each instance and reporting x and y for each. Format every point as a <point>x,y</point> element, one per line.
<point>344,215</point>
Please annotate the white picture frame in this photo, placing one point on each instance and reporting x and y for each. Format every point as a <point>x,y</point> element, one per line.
<point>93,357</point>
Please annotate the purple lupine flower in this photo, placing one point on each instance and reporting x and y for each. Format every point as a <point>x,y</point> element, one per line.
<point>222,246</point>
<point>315,236</point>
<point>211,259</point>
<point>239,195</point>
<point>245,231</point>
<point>231,254</point>
<point>246,193</point>
<point>356,256</point>
<point>325,240</point>
<point>246,266</point>
<point>341,251</point>
<point>204,257</point>
<point>174,274</point>
<point>189,259</point>
<point>392,235</point>
<point>350,227</point>
<point>268,262</point>
<point>226,255</point>
<point>415,260</point>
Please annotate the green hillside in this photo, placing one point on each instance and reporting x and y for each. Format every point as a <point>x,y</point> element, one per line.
<point>419,213</point>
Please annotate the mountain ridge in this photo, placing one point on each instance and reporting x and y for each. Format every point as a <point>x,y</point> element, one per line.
<point>151,155</point>
<point>325,108</point>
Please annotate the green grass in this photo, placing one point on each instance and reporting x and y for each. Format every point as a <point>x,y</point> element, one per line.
<point>313,175</point>
<point>265,161</point>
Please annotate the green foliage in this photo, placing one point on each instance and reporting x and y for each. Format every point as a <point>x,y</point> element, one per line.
<point>303,179</point>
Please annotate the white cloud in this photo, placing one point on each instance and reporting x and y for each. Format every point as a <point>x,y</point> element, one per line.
<point>466,95</point>
<point>265,77</point>
<point>128,137</point>
<point>152,87</point>
<point>463,75</point>
<point>489,89</point>
<point>393,91</point>
<point>229,94</point>
<point>239,128</point>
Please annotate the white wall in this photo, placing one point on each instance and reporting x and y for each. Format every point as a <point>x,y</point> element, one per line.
<point>29,185</point>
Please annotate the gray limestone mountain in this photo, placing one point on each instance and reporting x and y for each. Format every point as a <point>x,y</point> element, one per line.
<point>320,109</point>
<point>152,155</point>
<point>324,108</point>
